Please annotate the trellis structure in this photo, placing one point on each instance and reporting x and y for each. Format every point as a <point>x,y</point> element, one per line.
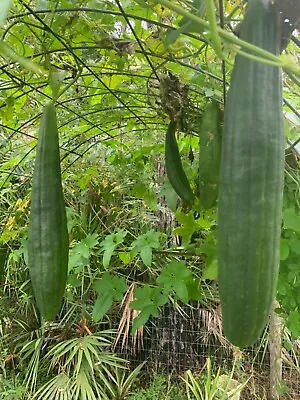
<point>119,61</point>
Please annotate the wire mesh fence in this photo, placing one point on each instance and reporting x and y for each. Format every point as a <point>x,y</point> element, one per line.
<point>183,337</point>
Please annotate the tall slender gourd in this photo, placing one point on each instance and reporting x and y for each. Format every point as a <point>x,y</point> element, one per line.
<point>4,251</point>
<point>210,155</point>
<point>251,183</point>
<point>48,243</point>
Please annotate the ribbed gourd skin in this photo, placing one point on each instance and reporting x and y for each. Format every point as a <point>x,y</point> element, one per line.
<point>48,243</point>
<point>251,184</point>
<point>175,171</point>
<point>210,155</point>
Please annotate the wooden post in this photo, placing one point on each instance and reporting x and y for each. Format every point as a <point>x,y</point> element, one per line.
<point>275,349</point>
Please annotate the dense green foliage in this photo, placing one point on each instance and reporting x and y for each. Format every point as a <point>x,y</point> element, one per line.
<point>118,71</point>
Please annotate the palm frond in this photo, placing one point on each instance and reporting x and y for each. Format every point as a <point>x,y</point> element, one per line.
<point>57,388</point>
<point>127,317</point>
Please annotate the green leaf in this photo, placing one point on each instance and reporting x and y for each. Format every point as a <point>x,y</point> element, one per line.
<point>181,291</point>
<point>281,288</point>
<point>110,288</point>
<point>74,281</point>
<point>291,220</point>
<point>188,227</point>
<point>143,317</point>
<point>142,191</point>
<point>119,287</point>
<point>293,323</point>
<point>172,35</point>
<point>144,244</point>
<point>170,195</point>
<point>146,296</point>
<point>91,240</point>
<point>284,249</point>
<point>152,238</point>
<point>79,257</point>
<point>148,300</point>
<point>80,253</point>
<point>172,278</point>
<point>145,314</point>
<point>82,249</point>
<point>293,273</point>
<point>125,257</point>
<point>194,289</point>
<point>109,244</point>
<point>114,285</point>
<point>209,248</point>
<point>102,305</point>
<point>294,245</point>
<point>211,271</point>
<point>108,252</point>
<point>120,236</point>
<point>146,255</point>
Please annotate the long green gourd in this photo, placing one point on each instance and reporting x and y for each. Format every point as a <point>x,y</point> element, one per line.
<point>48,243</point>
<point>4,250</point>
<point>210,155</point>
<point>175,171</point>
<point>251,184</point>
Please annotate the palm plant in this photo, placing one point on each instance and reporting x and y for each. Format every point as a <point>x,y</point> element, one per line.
<point>120,385</point>
<point>84,368</point>
<point>215,387</point>
<point>31,352</point>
